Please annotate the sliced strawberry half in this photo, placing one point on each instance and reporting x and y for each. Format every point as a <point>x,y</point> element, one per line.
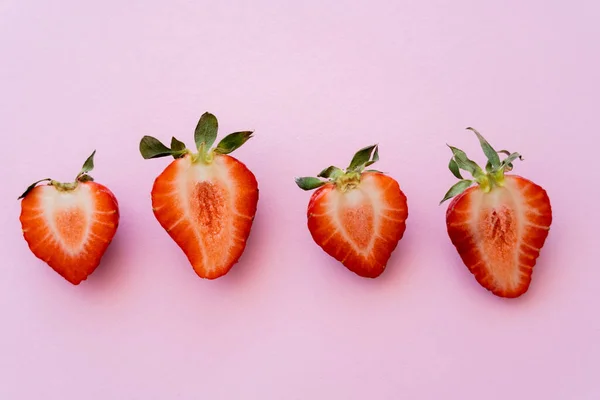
<point>70,225</point>
<point>500,225</point>
<point>357,216</point>
<point>205,201</point>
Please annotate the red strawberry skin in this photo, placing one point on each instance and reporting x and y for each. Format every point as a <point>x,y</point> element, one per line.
<point>362,227</point>
<point>499,234</point>
<point>207,209</point>
<point>70,230</point>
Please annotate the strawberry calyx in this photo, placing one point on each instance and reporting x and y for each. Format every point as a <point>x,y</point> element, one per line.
<point>488,178</point>
<point>204,137</point>
<point>344,180</point>
<point>82,176</point>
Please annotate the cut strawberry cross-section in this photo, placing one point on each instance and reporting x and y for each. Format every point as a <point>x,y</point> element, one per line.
<point>357,216</point>
<point>500,225</point>
<point>206,201</point>
<point>70,225</point>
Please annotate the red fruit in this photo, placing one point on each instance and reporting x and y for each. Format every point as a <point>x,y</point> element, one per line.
<point>206,201</point>
<point>70,225</point>
<point>357,216</point>
<point>500,225</point>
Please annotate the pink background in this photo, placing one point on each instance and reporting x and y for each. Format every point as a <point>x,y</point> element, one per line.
<point>316,80</point>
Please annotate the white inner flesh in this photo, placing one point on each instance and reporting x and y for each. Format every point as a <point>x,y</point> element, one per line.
<point>366,193</point>
<point>216,173</point>
<point>510,197</point>
<point>55,201</point>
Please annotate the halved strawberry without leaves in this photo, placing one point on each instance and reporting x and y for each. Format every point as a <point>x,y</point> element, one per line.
<point>70,225</point>
<point>500,225</point>
<point>206,201</point>
<point>357,216</point>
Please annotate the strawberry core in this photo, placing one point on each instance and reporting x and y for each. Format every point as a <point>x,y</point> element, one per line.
<point>498,226</point>
<point>70,224</point>
<point>209,207</point>
<point>358,224</point>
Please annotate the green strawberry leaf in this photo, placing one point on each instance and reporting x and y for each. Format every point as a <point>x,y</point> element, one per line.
<point>30,187</point>
<point>330,172</point>
<point>488,150</point>
<point>88,165</point>
<point>457,189</point>
<point>488,167</point>
<point>453,166</point>
<point>309,183</point>
<point>233,141</point>
<point>364,157</point>
<point>508,160</point>
<point>177,145</point>
<point>463,162</point>
<point>375,157</point>
<point>153,148</point>
<point>206,131</point>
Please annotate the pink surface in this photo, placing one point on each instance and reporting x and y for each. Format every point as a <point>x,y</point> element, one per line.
<point>316,80</point>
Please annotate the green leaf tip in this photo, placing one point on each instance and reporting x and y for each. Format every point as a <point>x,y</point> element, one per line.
<point>465,163</point>
<point>151,147</point>
<point>507,162</point>
<point>488,150</point>
<point>30,187</point>
<point>332,172</point>
<point>206,131</point>
<point>363,158</point>
<point>457,189</point>
<point>233,141</point>
<point>309,183</point>
<point>493,156</point>
<point>453,166</point>
<point>177,145</point>
<point>88,165</point>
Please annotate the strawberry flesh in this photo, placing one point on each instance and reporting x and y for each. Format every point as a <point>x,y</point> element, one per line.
<point>359,227</point>
<point>70,229</point>
<point>207,209</point>
<point>499,234</point>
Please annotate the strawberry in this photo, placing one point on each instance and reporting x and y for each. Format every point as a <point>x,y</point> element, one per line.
<point>500,225</point>
<point>70,225</point>
<point>357,216</point>
<point>206,201</point>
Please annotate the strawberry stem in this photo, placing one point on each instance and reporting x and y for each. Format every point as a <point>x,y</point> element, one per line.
<point>64,187</point>
<point>204,137</point>
<point>82,176</point>
<point>487,179</point>
<point>348,181</point>
<point>344,180</point>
